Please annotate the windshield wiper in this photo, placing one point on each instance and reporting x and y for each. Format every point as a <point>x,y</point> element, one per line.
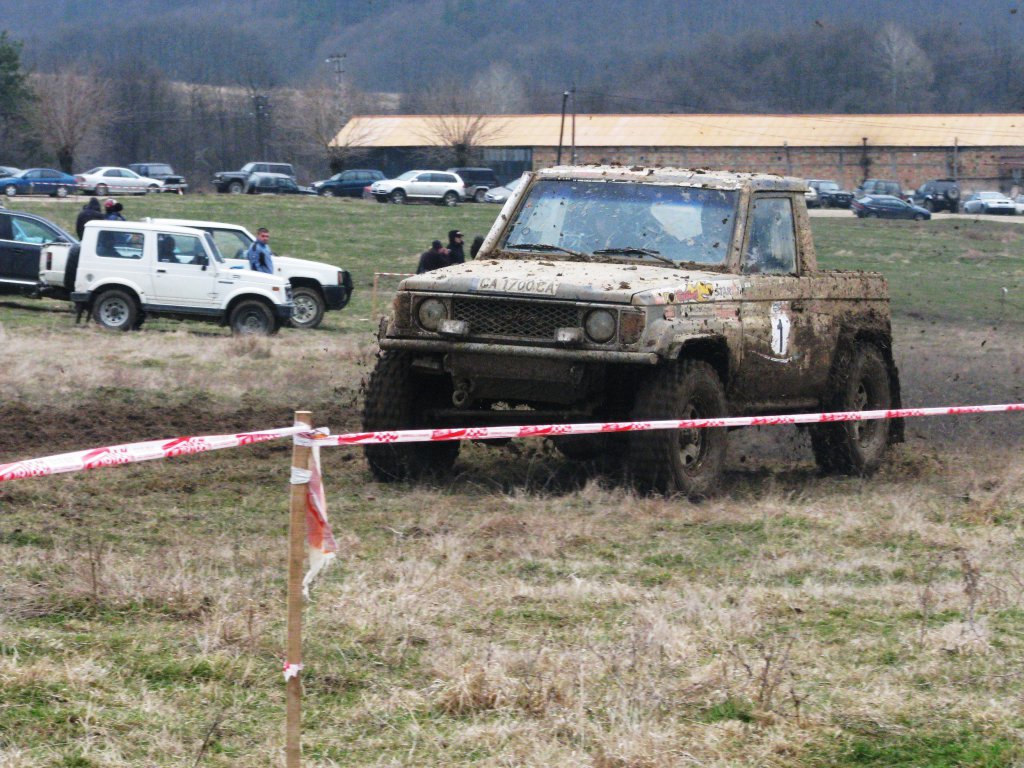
<point>546,247</point>
<point>634,250</point>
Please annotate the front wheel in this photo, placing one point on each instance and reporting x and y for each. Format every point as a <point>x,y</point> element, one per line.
<point>325,192</point>
<point>116,310</point>
<point>918,217</point>
<point>397,398</point>
<point>686,461</point>
<point>235,188</point>
<point>252,318</point>
<point>10,190</point>
<point>309,308</point>
<point>450,199</point>
<point>397,197</point>
<point>152,188</point>
<point>859,382</point>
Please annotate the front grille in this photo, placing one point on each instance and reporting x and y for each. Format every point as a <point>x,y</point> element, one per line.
<point>487,317</point>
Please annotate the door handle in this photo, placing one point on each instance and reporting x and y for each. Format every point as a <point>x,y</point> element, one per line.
<point>162,271</point>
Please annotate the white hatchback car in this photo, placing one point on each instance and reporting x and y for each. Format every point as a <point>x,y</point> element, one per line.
<point>107,180</point>
<point>439,186</point>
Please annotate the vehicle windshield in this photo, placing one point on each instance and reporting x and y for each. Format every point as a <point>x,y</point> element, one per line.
<point>989,195</point>
<point>407,175</point>
<point>828,186</point>
<point>165,169</point>
<point>625,220</point>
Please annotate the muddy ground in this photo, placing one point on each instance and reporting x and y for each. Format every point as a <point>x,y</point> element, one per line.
<point>939,365</point>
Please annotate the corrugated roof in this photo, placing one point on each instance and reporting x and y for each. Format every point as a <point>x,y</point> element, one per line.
<point>989,130</point>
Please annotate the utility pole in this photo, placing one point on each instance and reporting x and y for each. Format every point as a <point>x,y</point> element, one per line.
<point>573,90</point>
<point>261,110</point>
<point>561,127</point>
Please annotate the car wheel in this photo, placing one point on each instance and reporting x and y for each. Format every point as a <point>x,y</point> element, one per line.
<point>397,196</point>
<point>10,190</point>
<point>479,195</point>
<point>325,192</point>
<point>61,192</point>
<point>152,188</point>
<point>381,198</point>
<point>102,189</point>
<point>687,461</point>
<point>450,199</point>
<point>115,310</point>
<point>397,398</point>
<point>918,217</point>
<point>252,317</point>
<point>859,382</point>
<point>309,308</point>
<point>235,188</point>
<point>929,206</point>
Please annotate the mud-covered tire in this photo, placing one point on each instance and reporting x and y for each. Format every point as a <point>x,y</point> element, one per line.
<point>252,317</point>
<point>396,398</point>
<point>690,461</point>
<point>115,310</point>
<point>309,307</point>
<point>859,382</point>
<point>588,447</point>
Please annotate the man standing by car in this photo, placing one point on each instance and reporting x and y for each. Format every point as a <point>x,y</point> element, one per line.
<point>259,255</point>
<point>90,212</point>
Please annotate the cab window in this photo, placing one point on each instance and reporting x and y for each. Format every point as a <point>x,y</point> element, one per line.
<point>771,243</point>
<point>28,231</point>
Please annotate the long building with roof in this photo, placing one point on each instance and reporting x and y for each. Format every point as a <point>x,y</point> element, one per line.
<point>980,150</point>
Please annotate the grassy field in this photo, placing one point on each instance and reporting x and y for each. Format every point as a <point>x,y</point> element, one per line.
<point>526,610</point>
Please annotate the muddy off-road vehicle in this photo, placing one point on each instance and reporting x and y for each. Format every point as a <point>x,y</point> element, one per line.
<point>606,293</point>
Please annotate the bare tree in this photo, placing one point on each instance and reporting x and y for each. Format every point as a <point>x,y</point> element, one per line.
<point>499,90</point>
<point>316,116</point>
<point>71,108</point>
<point>905,69</point>
<point>460,136</point>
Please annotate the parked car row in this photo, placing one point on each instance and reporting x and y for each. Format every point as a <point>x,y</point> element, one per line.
<point>875,198</point>
<point>98,181</point>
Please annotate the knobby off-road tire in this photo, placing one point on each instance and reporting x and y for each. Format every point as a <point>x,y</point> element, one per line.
<point>252,317</point>
<point>396,398</point>
<point>309,308</point>
<point>116,310</point>
<point>859,382</point>
<point>687,461</point>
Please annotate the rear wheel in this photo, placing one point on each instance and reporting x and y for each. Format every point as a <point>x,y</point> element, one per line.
<point>253,318</point>
<point>102,189</point>
<point>859,382</point>
<point>10,190</point>
<point>929,206</point>
<point>61,192</point>
<point>397,196</point>
<point>115,310</point>
<point>687,461</point>
<point>479,195</point>
<point>397,398</point>
<point>309,307</point>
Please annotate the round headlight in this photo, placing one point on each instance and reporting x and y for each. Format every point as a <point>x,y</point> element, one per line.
<point>600,325</point>
<point>430,313</point>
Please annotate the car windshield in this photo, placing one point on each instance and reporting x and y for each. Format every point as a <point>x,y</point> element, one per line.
<point>989,195</point>
<point>624,220</point>
<point>407,175</point>
<point>828,186</point>
<point>165,169</point>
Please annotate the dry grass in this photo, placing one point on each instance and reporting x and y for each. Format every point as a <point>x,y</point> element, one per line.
<point>521,613</point>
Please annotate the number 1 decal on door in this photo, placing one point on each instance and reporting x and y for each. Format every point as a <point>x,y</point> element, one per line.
<point>780,324</point>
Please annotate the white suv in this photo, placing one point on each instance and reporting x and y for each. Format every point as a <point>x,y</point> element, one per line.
<point>440,186</point>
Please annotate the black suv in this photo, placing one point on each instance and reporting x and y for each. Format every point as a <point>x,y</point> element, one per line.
<point>478,181</point>
<point>939,195</point>
<point>879,187</point>
<point>235,181</point>
<point>830,195</point>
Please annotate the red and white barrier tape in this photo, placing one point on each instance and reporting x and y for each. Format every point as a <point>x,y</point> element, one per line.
<point>555,430</point>
<point>130,453</point>
<point>163,449</point>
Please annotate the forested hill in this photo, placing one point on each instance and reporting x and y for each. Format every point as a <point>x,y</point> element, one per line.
<point>635,56</point>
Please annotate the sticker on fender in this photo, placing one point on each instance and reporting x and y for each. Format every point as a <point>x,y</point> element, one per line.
<point>518,285</point>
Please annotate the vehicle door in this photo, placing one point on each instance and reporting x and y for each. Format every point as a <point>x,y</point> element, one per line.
<point>349,181</point>
<point>778,348</point>
<point>183,276</point>
<point>19,260</point>
<point>421,186</point>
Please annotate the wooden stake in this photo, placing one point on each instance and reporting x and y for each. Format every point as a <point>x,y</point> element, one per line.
<point>296,552</point>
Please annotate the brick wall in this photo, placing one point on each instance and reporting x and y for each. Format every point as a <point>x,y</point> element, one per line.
<point>978,168</point>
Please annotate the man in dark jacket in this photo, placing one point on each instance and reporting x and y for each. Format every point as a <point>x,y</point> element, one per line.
<point>435,258</point>
<point>90,212</point>
<point>456,254</point>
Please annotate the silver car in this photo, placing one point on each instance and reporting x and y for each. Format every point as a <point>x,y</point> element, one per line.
<point>988,202</point>
<point>438,186</point>
<point>501,194</point>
